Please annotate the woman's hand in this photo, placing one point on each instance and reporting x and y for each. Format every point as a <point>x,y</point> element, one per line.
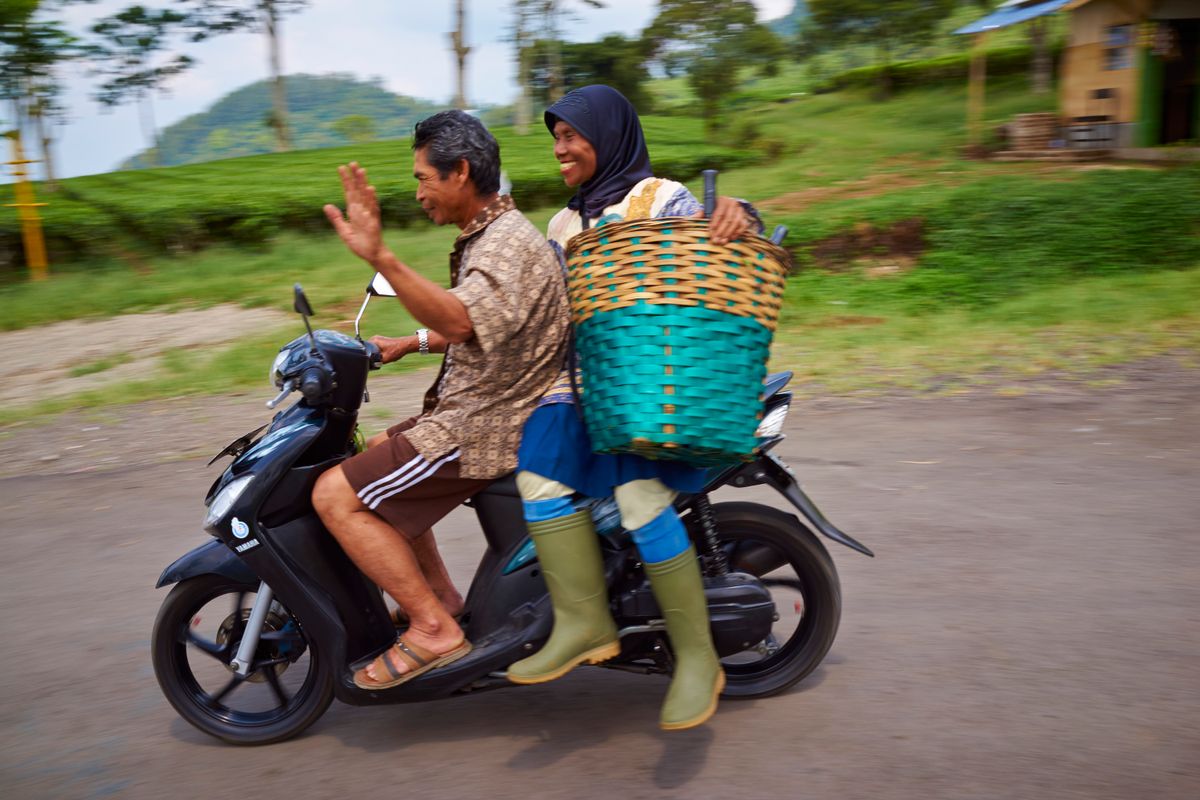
<point>729,221</point>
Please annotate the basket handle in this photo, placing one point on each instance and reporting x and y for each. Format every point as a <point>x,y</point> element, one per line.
<point>710,192</point>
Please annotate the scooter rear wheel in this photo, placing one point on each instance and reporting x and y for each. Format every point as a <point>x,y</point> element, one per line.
<point>794,565</point>
<point>196,635</point>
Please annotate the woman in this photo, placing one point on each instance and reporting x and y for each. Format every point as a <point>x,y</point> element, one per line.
<point>600,148</point>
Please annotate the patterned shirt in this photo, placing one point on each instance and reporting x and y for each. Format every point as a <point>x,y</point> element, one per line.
<point>506,275</point>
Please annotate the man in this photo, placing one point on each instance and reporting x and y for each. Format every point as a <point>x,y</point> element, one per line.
<point>502,326</point>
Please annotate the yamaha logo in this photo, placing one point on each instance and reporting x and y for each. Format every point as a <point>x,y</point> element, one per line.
<point>240,529</point>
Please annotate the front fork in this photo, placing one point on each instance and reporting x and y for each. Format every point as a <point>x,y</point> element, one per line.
<point>243,662</point>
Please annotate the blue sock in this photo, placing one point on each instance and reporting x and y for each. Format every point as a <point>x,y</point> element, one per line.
<point>542,510</point>
<point>662,538</point>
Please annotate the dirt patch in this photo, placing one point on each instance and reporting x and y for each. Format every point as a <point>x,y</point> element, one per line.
<point>879,251</point>
<point>83,355</point>
<point>870,186</point>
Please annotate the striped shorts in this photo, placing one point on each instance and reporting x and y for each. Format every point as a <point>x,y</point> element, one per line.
<point>399,484</point>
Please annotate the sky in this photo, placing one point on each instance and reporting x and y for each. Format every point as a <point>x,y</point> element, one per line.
<point>403,42</point>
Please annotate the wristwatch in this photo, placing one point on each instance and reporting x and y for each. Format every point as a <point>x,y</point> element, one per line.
<point>423,341</point>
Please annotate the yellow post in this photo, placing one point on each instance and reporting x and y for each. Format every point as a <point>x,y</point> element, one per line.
<point>976,78</point>
<point>26,205</point>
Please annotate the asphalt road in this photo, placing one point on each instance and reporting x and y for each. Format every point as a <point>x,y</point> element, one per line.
<point>1030,627</point>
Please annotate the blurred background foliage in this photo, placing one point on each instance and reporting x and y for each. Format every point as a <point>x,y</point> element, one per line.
<point>915,268</point>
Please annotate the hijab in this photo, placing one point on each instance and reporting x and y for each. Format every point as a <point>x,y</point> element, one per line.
<point>611,126</point>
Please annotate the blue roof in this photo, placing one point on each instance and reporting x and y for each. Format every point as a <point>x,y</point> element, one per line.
<point>1011,13</point>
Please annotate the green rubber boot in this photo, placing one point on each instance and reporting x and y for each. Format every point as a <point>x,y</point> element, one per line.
<point>698,678</point>
<point>584,630</point>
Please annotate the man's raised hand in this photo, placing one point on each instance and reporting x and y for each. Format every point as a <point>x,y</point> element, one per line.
<point>361,228</point>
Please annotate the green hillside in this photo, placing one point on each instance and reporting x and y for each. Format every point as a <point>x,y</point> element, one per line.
<point>323,111</point>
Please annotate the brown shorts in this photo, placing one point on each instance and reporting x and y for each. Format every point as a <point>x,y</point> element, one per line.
<point>400,485</point>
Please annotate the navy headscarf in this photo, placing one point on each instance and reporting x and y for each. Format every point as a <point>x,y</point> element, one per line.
<point>611,126</point>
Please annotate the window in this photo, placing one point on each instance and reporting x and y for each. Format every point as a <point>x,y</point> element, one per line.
<point>1118,47</point>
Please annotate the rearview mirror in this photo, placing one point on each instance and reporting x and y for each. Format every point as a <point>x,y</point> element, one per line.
<point>379,286</point>
<point>300,305</point>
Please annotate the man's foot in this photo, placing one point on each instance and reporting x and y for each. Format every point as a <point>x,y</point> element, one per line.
<point>404,661</point>
<point>452,604</point>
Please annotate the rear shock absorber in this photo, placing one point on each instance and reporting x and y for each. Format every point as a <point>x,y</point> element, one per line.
<point>711,553</point>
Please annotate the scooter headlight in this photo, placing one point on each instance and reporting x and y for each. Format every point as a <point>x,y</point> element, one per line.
<point>772,423</point>
<point>276,376</point>
<point>223,502</point>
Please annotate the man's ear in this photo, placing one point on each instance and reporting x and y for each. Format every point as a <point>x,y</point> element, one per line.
<point>462,171</point>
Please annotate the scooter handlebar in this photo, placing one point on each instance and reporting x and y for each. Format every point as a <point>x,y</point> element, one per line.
<point>312,384</point>
<point>374,355</point>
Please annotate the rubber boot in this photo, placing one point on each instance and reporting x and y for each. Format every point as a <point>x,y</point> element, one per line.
<point>584,631</point>
<point>698,678</point>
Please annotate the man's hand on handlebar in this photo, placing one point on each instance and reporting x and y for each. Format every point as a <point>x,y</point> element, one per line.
<point>394,348</point>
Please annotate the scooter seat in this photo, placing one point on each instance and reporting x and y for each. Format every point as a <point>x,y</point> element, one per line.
<point>505,486</point>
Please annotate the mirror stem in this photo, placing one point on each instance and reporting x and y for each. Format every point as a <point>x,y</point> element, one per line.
<point>361,310</point>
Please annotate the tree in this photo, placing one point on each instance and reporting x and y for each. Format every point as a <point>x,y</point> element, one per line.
<point>129,56</point>
<point>713,38</point>
<point>539,21</point>
<point>210,18</point>
<point>888,24</point>
<point>357,128</point>
<point>31,52</point>
<point>614,60</point>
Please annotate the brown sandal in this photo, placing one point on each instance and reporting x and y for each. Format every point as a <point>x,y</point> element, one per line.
<point>418,659</point>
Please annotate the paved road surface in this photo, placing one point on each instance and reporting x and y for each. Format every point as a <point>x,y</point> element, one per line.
<point>1029,629</point>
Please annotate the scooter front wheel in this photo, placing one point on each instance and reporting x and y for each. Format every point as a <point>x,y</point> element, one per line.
<point>196,636</point>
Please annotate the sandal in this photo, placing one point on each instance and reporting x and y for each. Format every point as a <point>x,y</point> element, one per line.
<point>418,659</point>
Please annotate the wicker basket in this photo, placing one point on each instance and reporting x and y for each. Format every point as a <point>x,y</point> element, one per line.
<point>673,335</point>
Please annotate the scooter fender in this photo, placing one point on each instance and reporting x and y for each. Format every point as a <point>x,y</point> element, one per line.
<point>769,470</point>
<point>211,557</point>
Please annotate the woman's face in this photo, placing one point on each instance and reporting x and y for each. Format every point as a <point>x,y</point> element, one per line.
<point>576,158</point>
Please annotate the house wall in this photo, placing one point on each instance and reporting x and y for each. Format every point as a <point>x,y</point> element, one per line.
<point>1085,64</point>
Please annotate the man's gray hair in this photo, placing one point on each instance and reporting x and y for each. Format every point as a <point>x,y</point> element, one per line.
<point>449,137</point>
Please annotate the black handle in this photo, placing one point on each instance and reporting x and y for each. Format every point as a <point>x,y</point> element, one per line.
<point>312,385</point>
<point>374,355</point>
<point>710,191</point>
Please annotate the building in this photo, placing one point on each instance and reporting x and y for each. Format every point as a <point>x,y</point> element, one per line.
<point>1130,72</point>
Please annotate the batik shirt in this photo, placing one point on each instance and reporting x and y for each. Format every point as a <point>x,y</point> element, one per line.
<point>511,285</point>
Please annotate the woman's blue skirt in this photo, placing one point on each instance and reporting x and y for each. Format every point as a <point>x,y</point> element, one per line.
<point>555,445</point>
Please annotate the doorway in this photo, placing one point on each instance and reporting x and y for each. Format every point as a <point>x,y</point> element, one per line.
<point>1180,92</point>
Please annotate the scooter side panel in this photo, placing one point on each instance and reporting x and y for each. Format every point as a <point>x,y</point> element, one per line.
<point>323,566</point>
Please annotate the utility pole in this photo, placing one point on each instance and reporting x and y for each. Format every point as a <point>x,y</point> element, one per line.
<point>458,44</point>
<point>27,205</point>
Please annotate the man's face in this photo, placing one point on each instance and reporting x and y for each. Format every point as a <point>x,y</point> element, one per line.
<point>576,157</point>
<point>442,198</point>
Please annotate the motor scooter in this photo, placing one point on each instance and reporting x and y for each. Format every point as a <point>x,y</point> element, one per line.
<point>268,620</point>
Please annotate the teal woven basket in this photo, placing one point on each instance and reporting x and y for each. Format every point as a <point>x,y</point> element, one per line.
<point>673,335</point>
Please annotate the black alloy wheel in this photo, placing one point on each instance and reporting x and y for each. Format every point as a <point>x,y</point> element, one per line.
<point>797,569</point>
<point>196,635</point>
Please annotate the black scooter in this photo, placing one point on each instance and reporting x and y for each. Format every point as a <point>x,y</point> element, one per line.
<point>269,619</point>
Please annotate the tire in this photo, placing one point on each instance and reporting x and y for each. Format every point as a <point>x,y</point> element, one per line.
<point>777,548</point>
<point>196,635</point>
